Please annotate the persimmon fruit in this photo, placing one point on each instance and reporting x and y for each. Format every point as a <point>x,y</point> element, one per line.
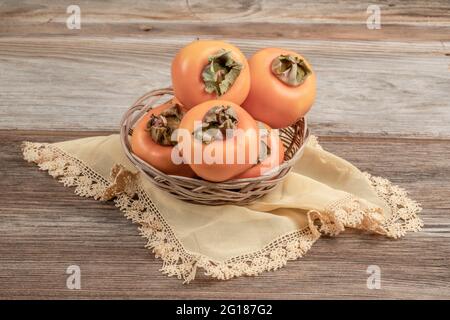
<point>208,69</point>
<point>151,141</point>
<point>202,135</point>
<point>283,87</point>
<point>271,153</point>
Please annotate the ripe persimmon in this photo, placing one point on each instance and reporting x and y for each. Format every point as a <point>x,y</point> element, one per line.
<point>283,87</point>
<point>208,69</point>
<point>218,139</point>
<point>271,153</point>
<point>151,139</point>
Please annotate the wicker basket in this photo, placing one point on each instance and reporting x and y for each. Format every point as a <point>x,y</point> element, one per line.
<point>198,191</point>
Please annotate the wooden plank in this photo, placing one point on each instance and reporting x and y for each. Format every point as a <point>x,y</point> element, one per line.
<point>239,30</point>
<point>364,87</point>
<point>428,13</point>
<point>244,19</point>
<point>45,228</point>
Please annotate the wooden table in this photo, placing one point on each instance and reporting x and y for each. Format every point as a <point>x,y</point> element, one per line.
<point>383,103</point>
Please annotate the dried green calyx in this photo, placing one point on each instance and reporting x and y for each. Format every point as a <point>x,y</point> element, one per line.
<point>290,69</point>
<point>221,72</point>
<point>215,124</point>
<point>163,125</point>
<point>264,149</point>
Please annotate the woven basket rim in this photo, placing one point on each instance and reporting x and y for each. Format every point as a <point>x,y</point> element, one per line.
<point>142,108</point>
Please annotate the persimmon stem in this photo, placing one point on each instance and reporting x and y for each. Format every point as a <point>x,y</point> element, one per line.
<point>221,72</point>
<point>215,124</point>
<point>161,127</point>
<point>290,69</point>
<point>264,149</point>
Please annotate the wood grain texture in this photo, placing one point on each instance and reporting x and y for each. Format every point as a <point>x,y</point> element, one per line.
<point>383,104</point>
<point>255,18</point>
<point>310,19</point>
<point>368,88</point>
<point>45,228</point>
<point>61,79</point>
<point>434,12</point>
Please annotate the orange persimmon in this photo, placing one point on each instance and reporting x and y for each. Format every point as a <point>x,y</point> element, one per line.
<point>151,142</point>
<point>283,87</point>
<point>218,139</point>
<point>271,153</point>
<point>208,69</point>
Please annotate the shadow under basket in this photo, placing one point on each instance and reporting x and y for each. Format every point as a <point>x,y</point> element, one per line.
<point>198,191</point>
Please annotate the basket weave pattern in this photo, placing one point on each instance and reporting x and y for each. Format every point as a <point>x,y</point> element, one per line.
<point>198,191</point>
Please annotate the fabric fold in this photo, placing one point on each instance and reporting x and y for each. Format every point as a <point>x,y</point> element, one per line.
<point>323,194</point>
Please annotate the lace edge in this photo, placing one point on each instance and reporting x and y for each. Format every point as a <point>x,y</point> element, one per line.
<point>137,206</point>
<point>348,212</point>
<point>405,211</point>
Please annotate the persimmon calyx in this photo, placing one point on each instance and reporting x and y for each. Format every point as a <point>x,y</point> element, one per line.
<point>291,70</point>
<point>163,125</point>
<point>221,72</point>
<point>216,123</point>
<point>264,151</point>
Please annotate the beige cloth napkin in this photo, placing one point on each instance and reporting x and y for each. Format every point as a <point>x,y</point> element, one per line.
<point>322,195</point>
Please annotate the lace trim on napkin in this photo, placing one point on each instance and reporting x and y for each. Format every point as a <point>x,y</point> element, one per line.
<point>177,261</point>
